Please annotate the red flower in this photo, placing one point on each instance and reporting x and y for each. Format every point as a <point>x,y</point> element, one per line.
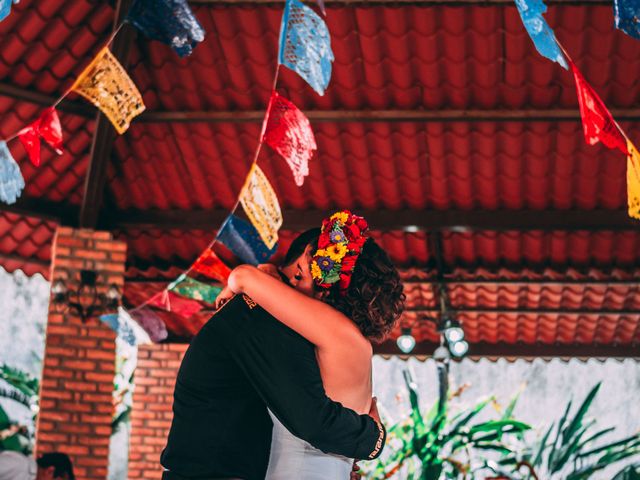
<point>352,232</point>
<point>348,263</point>
<point>345,280</point>
<point>362,224</point>
<point>324,241</point>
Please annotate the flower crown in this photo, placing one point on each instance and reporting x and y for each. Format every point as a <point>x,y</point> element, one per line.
<point>341,240</point>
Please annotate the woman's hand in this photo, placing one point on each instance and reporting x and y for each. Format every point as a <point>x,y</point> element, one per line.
<point>235,285</point>
<point>223,297</point>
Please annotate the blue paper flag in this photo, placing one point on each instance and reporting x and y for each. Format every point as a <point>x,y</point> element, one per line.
<point>244,241</point>
<point>125,327</point>
<point>305,45</point>
<point>11,181</point>
<point>168,21</point>
<point>5,8</point>
<point>539,30</point>
<point>627,14</point>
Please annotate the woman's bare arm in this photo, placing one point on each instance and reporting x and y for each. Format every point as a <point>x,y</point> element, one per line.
<point>318,322</point>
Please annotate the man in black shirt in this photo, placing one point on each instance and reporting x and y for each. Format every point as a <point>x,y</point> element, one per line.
<point>241,362</point>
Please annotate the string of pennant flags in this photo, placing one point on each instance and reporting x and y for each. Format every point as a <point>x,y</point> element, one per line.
<point>104,82</point>
<point>305,48</point>
<point>597,122</point>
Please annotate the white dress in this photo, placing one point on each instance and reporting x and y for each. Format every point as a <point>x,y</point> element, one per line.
<point>292,458</point>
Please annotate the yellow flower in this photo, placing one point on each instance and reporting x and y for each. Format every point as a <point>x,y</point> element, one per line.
<point>342,217</point>
<point>336,251</point>
<point>315,270</point>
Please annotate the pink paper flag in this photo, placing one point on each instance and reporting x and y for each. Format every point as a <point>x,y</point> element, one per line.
<point>171,302</point>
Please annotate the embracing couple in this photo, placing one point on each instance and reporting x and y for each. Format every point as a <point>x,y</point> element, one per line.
<point>277,384</point>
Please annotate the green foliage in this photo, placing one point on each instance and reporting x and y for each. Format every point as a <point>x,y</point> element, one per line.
<point>438,444</point>
<point>20,380</point>
<point>567,450</point>
<point>24,390</point>
<point>632,472</point>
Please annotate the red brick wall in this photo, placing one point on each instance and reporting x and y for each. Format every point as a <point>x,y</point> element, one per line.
<point>76,405</point>
<point>151,415</point>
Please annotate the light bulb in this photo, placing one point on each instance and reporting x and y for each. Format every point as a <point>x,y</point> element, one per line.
<point>58,288</point>
<point>459,349</point>
<point>441,354</point>
<point>454,334</point>
<point>113,293</point>
<point>406,342</point>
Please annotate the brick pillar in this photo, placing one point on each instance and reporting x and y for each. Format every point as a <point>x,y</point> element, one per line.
<point>151,415</point>
<point>76,393</point>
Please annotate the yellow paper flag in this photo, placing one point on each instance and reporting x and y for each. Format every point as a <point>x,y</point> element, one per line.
<point>105,83</point>
<point>261,205</point>
<point>633,180</point>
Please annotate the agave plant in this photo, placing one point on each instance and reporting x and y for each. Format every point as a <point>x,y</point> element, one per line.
<point>440,444</point>
<point>567,450</point>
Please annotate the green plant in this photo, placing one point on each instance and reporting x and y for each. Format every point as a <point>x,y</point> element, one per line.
<point>439,444</point>
<point>631,472</point>
<point>568,450</point>
<point>24,390</point>
<point>20,380</point>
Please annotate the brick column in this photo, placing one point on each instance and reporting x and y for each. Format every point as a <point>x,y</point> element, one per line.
<point>76,393</point>
<point>151,415</point>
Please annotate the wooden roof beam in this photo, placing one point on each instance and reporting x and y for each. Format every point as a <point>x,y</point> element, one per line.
<point>24,94</point>
<point>436,115</point>
<point>56,212</point>
<point>452,3</point>
<point>381,220</point>
<point>522,350</point>
<point>406,220</point>
<point>105,134</point>
<point>526,311</point>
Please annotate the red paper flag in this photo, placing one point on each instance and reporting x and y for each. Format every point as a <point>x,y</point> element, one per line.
<point>289,133</point>
<point>209,265</point>
<point>597,122</point>
<point>171,302</point>
<point>47,127</point>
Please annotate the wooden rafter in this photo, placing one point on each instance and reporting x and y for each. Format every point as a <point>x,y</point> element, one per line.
<point>67,106</point>
<point>407,220</point>
<point>318,116</point>
<point>423,116</point>
<point>390,115</point>
<point>383,220</point>
<point>528,311</point>
<point>452,3</point>
<point>522,350</point>
<point>105,134</point>
<point>468,281</point>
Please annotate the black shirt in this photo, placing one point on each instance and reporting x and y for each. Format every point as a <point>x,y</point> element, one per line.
<point>240,362</point>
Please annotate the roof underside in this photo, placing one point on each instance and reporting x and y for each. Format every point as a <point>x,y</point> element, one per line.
<point>441,121</point>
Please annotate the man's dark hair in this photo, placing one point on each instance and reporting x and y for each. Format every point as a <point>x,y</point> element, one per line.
<point>59,461</point>
<point>300,243</point>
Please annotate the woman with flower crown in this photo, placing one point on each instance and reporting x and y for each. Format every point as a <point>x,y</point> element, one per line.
<point>346,293</point>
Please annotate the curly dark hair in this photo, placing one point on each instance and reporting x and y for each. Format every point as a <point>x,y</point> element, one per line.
<point>374,300</point>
